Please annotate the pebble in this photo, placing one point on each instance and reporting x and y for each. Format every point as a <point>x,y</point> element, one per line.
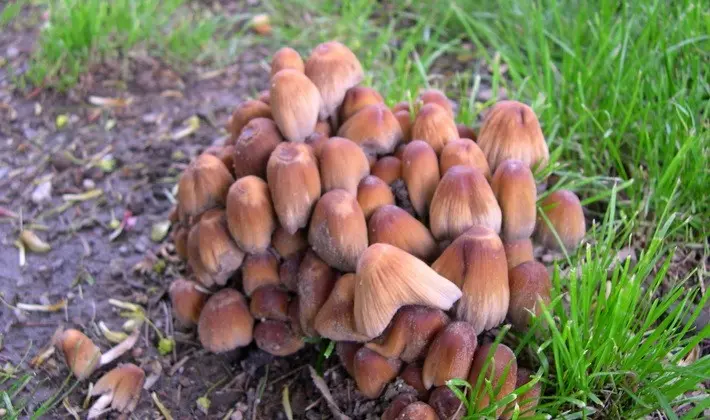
<point>12,52</point>
<point>42,193</point>
<point>123,250</point>
<point>116,267</point>
<point>61,162</point>
<point>88,184</point>
<point>140,246</point>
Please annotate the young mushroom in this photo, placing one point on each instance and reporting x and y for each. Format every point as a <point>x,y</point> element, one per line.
<point>202,186</point>
<point>446,404</point>
<point>435,126</point>
<point>527,401</point>
<point>342,165</point>
<point>373,193</point>
<point>463,152</point>
<point>259,270</point>
<point>223,153</point>
<point>374,128</point>
<point>277,338</point>
<point>211,252</point>
<point>514,187</point>
<point>245,112</point>
<point>390,224</point>
<point>412,376</point>
<point>83,356</point>
<point>450,354</point>
<point>529,282</point>
<point>372,372</point>
<point>566,220</point>
<point>187,301</point>
<point>250,214</point>
<point>405,122</point>
<point>225,322</point>
<point>517,252</point>
<point>435,96</point>
<point>346,351</point>
<point>388,169</point>
<point>287,244</point>
<point>286,58</point>
<point>357,98</point>
<point>316,280</point>
<point>398,404</point>
<point>420,172</point>
<point>120,388</point>
<point>417,411</point>
<point>335,320</point>
<point>270,302</point>
<point>295,104</point>
<point>466,132</point>
<point>254,146</point>
<point>499,368</point>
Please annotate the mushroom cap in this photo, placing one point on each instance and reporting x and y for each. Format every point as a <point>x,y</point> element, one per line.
<point>338,231</point>
<point>334,69</point>
<point>270,302</point>
<point>435,126</point>
<point>211,252</point>
<point>527,401</point>
<point>514,187</point>
<point>288,270</point>
<point>517,252</point>
<point>390,224</point>
<point>277,338</point>
<point>295,103</point>
<point>179,237</point>
<point>346,351</point>
<point>202,186</point>
<point>356,98</point>
<point>374,128</point>
<point>223,153</point>
<point>373,193</point>
<point>420,172</point>
<point>388,169</point>
<point>501,371</point>
<point>528,282</point>
<point>446,404</point>
<point>316,280</point>
<point>417,411</point>
<point>225,322</point>
<point>335,318</point>
<point>476,262</point>
<point>294,182</point>
<point>463,199</point>
<point>510,130</point>
<point>412,376</point>
<point>287,244</point>
<point>564,211</point>
<point>398,404</point>
<point>435,96</point>
<point>463,152</point>
<point>466,132</point>
<point>286,58</point>
<point>187,301</point>
<point>250,214</point>
<point>372,371</point>
<point>259,270</point>
<point>342,165</point>
<point>264,96</point>
<point>317,140</point>
<point>245,112</point>
<point>80,353</point>
<point>388,278</point>
<point>124,384</point>
<point>450,354</point>
<point>405,122</point>
<point>254,146</point>
<point>401,106</point>
<point>322,127</point>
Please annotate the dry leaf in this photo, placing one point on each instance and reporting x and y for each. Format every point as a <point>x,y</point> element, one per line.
<point>110,102</point>
<point>323,388</point>
<point>33,242</point>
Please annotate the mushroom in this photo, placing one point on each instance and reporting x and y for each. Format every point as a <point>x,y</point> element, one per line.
<point>565,215</point>
<point>412,376</point>
<point>120,388</point>
<point>435,96</point>
<point>288,270</point>
<point>388,169</point>
<point>499,367</point>
<point>374,128</point>
<point>390,224</point>
<point>254,146</point>
<point>223,153</point>
<point>388,278</point>
<point>409,334</point>
<point>323,128</point>
<point>528,282</point>
<point>372,372</point>
<point>250,214</point>
<point>346,351</point>
<point>187,301</point>
<point>225,322</point>
<point>435,126</point>
<point>287,244</point>
<point>294,182</point>
<point>338,231</point>
<point>420,172</point>
<point>417,411</point>
<point>514,187</point>
<point>510,130</point>
<point>179,238</point>
<point>446,404</point>
<point>466,132</point>
<point>405,122</point>
<point>475,262</point>
<point>270,302</point>
<point>259,270</point>
<point>277,338</point>
<point>335,320</point>
<point>202,186</point>
<point>286,58</point>
<point>401,106</point>
<point>450,354</point>
<point>334,69</point>
<point>316,280</point>
<point>211,252</point>
<point>357,98</point>
<point>264,97</point>
<point>398,404</point>
<point>373,193</point>
<point>245,112</point>
<point>527,401</point>
<point>83,356</point>
<point>463,199</point>
<point>342,165</point>
<point>317,140</point>
<point>463,152</point>
<point>517,252</point>
<point>295,103</point>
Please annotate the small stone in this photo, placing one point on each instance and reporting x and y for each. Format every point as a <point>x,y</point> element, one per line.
<point>116,267</point>
<point>42,193</point>
<point>140,246</point>
<point>12,52</point>
<point>61,162</point>
<point>88,184</point>
<point>123,250</point>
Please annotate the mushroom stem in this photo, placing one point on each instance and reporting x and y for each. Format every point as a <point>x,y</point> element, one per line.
<point>118,350</point>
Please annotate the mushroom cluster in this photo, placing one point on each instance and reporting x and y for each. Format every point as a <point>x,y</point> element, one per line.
<point>393,231</point>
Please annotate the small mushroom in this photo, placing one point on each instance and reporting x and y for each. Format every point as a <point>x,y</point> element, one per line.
<point>435,126</point>
<point>390,224</point>
<point>223,153</point>
<point>259,270</point>
<point>270,302</point>
<point>342,165</point>
<point>466,132</point>
<point>187,301</point>
<point>514,187</point>
<point>245,112</point>
<point>405,122</point>
<point>529,282</point>
<point>250,214</point>
<point>323,128</point>
<point>388,278</point>
<point>501,372</point>
<point>179,238</point>
<point>211,252</point>
<point>412,376</point>
<point>287,244</point>
<point>286,58</point>
<point>346,351</point>
<point>420,172</point>
<point>463,199</point>
<point>398,404</point>
<point>277,338</point>
<point>80,353</point>
<point>388,169</point>
<point>564,212</point>
<point>254,146</point>
<point>202,186</point>
<point>288,270</point>
<point>463,152</point>
<point>372,372</point>
<point>294,182</point>
<point>317,140</point>
<point>295,103</point>
<point>373,193</point>
<point>527,401</point>
<point>510,130</point>
<point>517,252</point>
<point>374,128</point>
<point>417,411</point>
<point>446,404</point>
<point>356,98</point>
<point>401,106</point>
<point>316,280</point>
<point>264,97</point>
<point>120,388</point>
<point>435,96</point>
<point>335,318</point>
<point>450,354</point>
<point>225,322</point>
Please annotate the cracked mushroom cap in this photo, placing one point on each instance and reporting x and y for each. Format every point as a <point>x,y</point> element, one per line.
<point>277,338</point>
<point>259,270</point>
<point>566,217</point>
<point>357,98</point>
<point>388,169</point>
<point>338,231</point>
<point>245,112</point>
<point>80,353</point>
<point>450,354</point>
<point>121,387</point>
<point>499,367</point>
<point>316,280</point>
<point>510,130</point>
<point>225,322</point>
<point>286,58</point>
<point>187,301</point>
<point>463,199</point>
<point>212,254</point>
<point>463,152</point>
<point>335,318</point>
<point>529,282</point>
<point>202,186</point>
<point>254,146</point>
<point>373,193</point>
<point>476,262</point>
<point>518,252</point>
<point>295,103</point>
<point>342,165</point>
<point>514,187</point>
<point>388,278</point>
<point>390,224</point>
<point>372,372</point>
<point>250,214</point>
<point>294,181</point>
<point>435,126</point>
<point>420,172</point>
<point>374,128</point>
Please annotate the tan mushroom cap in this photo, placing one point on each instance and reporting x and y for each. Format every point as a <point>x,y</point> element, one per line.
<point>388,169</point>
<point>254,146</point>
<point>277,338</point>
<point>390,224</point>
<point>372,372</point>
<point>342,165</point>
<point>412,376</point>
<point>398,404</point>
<point>346,351</point>
<point>450,354</point>
<point>518,252</point>
<point>527,401</point>
<point>446,404</point>
<point>417,411</point>
<point>225,322</point>
<point>401,106</point>
<point>212,254</point>
<point>405,122</point>
<point>463,152</point>
<point>295,103</point>
<point>373,193</point>
<point>529,284</point>
<point>250,214</point>
<point>466,132</point>
<point>388,278</point>
<point>179,238</point>
<point>286,58</point>
<point>245,112</point>
<point>564,212</point>
<point>287,244</point>
<point>514,187</point>
<point>335,318</point>
<point>80,353</point>
<point>270,302</point>
<point>435,96</point>
<point>259,270</point>
<point>121,387</point>
<point>316,280</point>
<point>501,371</point>
<point>187,301</point>
<point>420,172</point>
<point>223,153</point>
<point>202,186</point>
<point>374,128</point>
<point>435,126</point>
<point>288,270</point>
<point>356,98</point>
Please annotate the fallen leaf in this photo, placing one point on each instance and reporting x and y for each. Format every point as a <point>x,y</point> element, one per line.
<point>31,307</point>
<point>193,124</point>
<point>163,410</point>
<point>159,230</point>
<point>110,102</point>
<point>33,242</point>
<point>323,388</point>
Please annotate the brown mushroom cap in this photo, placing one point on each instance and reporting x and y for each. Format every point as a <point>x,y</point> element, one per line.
<point>346,351</point>
<point>435,126</point>
<point>529,282</point>
<point>245,112</point>
<point>401,106</point>
<point>335,318</point>
<point>225,322</point>
<point>80,353</point>
<point>286,58</point>
<point>264,97</point>
<point>412,376</point>
<point>527,401</point>
<point>288,270</point>
<point>398,404</point>
<point>121,386</point>
<point>316,280</point>
<point>514,187</point>
<point>435,96</point>
<point>254,146</point>
<point>287,244</point>
<point>564,212</point>
<point>250,214</point>
<point>373,193</point>
<point>374,128</point>
<point>511,130</point>
<point>223,153</point>
<point>517,252</point>
<point>357,98</point>
<point>466,132</point>
<point>501,371</point>
<point>450,354</point>
<point>476,262</point>
<point>463,199</point>
<point>295,103</point>
<point>277,338</point>
<point>342,165</point>
<point>388,278</point>
<point>187,301</point>
<point>179,238</point>
<point>270,302</point>
<point>446,404</point>
<point>417,411</point>
<point>211,252</point>
<point>388,169</point>
<point>405,122</point>
<point>338,231</point>
<point>202,186</point>
<point>420,172</point>
<point>294,182</point>
<point>372,372</point>
<point>259,270</point>
<point>463,152</point>
<point>390,224</point>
